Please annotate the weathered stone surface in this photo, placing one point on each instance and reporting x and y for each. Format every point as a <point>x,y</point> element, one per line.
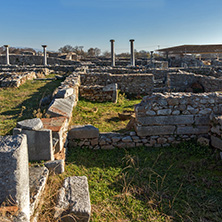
<point>164,112</point>
<point>59,126</point>
<point>83,132</point>
<point>62,107</point>
<point>30,124</point>
<point>56,166</point>
<point>110,87</point>
<point>154,130</point>
<point>40,146</point>
<point>127,139</point>
<point>192,130</point>
<point>37,180</point>
<point>202,120</point>
<point>203,141</point>
<point>74,200</point>
<point>14,173</point>
<point>166,120</point>
<point>64,93</point>
<point>216,142</point>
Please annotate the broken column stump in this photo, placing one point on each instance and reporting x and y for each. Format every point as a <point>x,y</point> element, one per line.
<point>73,200</point>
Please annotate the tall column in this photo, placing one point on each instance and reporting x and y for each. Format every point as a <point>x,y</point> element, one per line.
<point>132,60</point>
<point>151,59</point>
<point>7,54</point>
<point>45,56</point>
<point>112,52</point>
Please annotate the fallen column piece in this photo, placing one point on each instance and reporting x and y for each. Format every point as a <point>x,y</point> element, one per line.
<point>14,174</point>
<point>73,201</point>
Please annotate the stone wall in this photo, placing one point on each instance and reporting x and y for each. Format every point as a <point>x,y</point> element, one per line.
<point>176,114</point>
<point>37,60</point>
<point>99,93</point>
<point>141,84</point>
<point>216,132</point>
<point>180,82</point>
<point>18,79</point>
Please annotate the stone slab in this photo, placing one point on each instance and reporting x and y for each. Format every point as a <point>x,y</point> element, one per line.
<point>37,180</point>
<point>202,120</point>
<point>216,142</point>
<point>64,93</point>
<point>83,132</point>
<point>62,107</point>
<point>192,130</point>
<point>30,124</point>
<point>40,145</point>
<point>166,120</point>
<point>154,130</point>
<point>74,200</point>
<point>14,173</point>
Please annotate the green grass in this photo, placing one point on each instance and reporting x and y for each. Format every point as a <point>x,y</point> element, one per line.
<point>19,103</point>
<point>177,183</point>
<point>103,115</point>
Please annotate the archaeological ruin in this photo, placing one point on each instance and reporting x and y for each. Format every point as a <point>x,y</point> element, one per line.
<point>177,104</point>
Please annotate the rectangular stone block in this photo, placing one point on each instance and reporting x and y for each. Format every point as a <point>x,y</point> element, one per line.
<point>73,200</point>
<point>216,142</point>
<point>14,172</point>
<point>202,120</point>
<point>40,146</point>
<point>59,126</point>
<point>192,130</point>
<point>62,107</point>
<point>154,130</point>
<point>166,120</point>
<point>83,132</point>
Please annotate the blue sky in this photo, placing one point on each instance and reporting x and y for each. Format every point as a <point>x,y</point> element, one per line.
<point>92,23</point>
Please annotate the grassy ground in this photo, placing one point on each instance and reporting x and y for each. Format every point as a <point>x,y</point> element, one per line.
<point>103,115</point>
<point>180,183</point>
<point>22,103</point>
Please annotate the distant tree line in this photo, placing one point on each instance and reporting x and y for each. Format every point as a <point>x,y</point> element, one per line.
<point>14,50</point>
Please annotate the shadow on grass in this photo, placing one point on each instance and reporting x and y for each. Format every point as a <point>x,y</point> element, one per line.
<point>182,182</point>
<point>25,109</point>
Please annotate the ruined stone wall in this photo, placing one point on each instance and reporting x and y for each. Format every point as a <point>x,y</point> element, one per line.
<point>99,93</point>
<point>176,114</point>
<point>19,78</point>
<point>179,82</point>
<point>127,83</point>
<point>37,60</point>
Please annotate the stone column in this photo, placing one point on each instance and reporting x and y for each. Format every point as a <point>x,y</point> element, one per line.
<point>112,52</point>
<point>132,60</point>
<point>7,54</point>
<point>151,59</point>
<point>45,56</point>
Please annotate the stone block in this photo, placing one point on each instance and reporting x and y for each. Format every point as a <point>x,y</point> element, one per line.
<point>73,200</point>
<point>14,173</point>
<point>59,126</point>
<point>30,124</point>
<point>203,141</point>
<point>166,120</point>
<point>192,130</point>
<point>110,87</point>
<point>62,107</point>
<point>64,93</point>
<point>154,130</point>
<point>216,142</point>
<point>40,145</point>
<point>202,120</point>
<point>56,166</point>
<point>37,180</point>
<point>83,132</point>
